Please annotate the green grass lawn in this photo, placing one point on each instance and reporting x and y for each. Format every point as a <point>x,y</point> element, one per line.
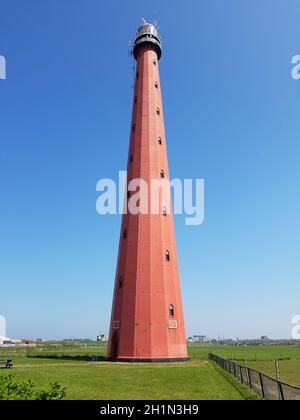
<point>252,353</point>
<point>197,379</point>
<point>289,370</point>
<point>196,351</point>
<point>263,359</point>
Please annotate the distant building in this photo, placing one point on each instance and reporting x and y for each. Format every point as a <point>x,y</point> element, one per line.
<point>8,342</point>
<point>5,341</point>
<point>264,337</point>
<point>201,339</point>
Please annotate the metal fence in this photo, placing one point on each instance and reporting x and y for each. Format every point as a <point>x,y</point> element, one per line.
<point>268,388</point>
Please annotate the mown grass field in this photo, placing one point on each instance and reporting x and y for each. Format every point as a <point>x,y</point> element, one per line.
<point>189,380</point>
<point>261,358</point>
<point>289,370</point>
<point>252,353</point>
<point>197,379</point>
<point>196,351</point>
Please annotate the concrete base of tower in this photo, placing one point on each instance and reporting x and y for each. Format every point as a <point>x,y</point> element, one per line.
<point>149,360</point>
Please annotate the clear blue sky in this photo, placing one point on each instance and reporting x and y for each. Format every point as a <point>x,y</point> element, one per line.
<point>232,118</point>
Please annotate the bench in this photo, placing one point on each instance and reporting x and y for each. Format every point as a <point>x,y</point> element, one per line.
<point>8,363</point>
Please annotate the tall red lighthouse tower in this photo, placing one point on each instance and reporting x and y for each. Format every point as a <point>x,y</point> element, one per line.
<point>147,317</point>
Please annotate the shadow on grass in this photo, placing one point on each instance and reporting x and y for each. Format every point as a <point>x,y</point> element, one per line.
<point>69,357</point>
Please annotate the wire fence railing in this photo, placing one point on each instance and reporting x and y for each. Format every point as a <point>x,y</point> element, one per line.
<point>267,387</point>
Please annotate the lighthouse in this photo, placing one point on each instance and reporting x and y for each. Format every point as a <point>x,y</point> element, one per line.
<point>147,322</point>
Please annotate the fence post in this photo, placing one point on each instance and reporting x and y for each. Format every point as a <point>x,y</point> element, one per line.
<point>249,378</point>
<point>277,370</point>
<point>241,372</point>
<point>280,391</point>
<point>246,366</point>
<point>262,385</point>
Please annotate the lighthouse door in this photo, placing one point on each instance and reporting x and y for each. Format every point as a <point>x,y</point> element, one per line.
<point>115,349</point>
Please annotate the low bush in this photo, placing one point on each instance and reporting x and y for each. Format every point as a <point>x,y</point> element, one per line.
<point>16,389</point>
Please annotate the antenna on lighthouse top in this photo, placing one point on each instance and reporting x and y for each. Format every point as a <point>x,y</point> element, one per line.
<point>155,19</point>
<point>133,66</point>
<point>129,48</point>
<point>143,21</point>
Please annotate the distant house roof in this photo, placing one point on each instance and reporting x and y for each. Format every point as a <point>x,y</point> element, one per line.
<point>2,338</point>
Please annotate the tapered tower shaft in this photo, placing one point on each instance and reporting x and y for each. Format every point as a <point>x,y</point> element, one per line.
<point>147,317</point>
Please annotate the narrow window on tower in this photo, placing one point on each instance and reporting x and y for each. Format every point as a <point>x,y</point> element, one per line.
<point>164,211</point>
<point>135,99</point>
<point>133,127</point>
<point>128,194</point>
<point>120,282</point>
<point>137,74</point>
<point>131,157</point>
<point>159,140</point>
<point>162,174</point>
<point>125,233</point>
<point>157,111</point>
<point>171,310</point>
<point>156,85</point>
<point>167,255</point>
